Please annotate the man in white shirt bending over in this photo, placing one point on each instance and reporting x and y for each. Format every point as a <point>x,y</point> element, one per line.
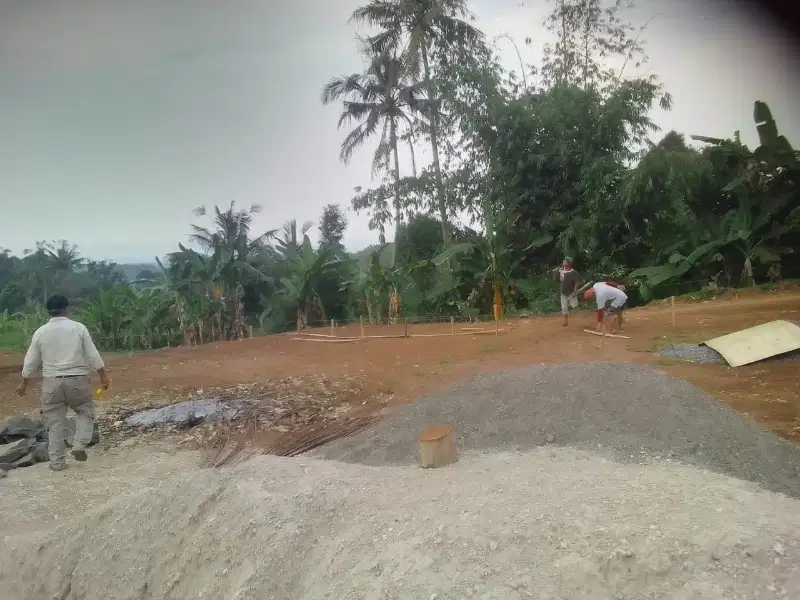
<point>63,350</point>
<point>609,299</point>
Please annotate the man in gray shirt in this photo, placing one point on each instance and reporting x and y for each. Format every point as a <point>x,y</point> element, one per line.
<point>570,280</point>
<point>63,350</point>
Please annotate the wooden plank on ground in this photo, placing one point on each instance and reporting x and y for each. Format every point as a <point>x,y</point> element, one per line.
<point>609,335</point>
<point>325,340</point>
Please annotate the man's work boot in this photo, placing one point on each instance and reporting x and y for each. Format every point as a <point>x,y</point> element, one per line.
<point>79,455</point>
<point>566,321</point>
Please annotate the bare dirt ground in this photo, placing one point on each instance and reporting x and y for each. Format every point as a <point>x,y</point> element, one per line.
<point>403,369</point>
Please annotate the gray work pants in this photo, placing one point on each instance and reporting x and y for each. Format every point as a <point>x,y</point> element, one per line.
<point>58,393</point>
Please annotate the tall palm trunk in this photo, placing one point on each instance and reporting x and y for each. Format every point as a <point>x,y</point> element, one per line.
<point>393,141</point>
<point>413,156</point>
<point>437,169</point>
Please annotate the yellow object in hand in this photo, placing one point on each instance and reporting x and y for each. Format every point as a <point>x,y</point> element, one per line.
<point>100,394</point>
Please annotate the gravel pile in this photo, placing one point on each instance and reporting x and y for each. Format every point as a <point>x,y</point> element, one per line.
<point>705,355</point>
<point>627,412</point>
<point>693,353</point>
<point>549,524</point>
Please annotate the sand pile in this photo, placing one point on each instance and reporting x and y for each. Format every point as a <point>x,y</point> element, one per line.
<point>553,523</point>
<point>627,412</point>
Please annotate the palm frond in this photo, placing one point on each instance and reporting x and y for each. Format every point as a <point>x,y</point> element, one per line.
<point>341,87</point>
<point>357,111</point>
<point>358,137</point>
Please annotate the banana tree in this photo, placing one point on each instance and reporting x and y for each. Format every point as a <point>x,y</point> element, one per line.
<point>371,283</point>
<point>108,317</point>
<point>490,261</point>
<point>176,284</point>
<point>749,235</point>
<point>307,267</point>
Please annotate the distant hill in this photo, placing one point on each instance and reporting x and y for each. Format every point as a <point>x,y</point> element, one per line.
<point>363,256</point>
<point>131,271</point>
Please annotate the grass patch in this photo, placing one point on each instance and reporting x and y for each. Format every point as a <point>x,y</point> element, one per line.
<point>13,340</point>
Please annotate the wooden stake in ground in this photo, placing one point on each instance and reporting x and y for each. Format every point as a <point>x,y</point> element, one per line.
<point>333,325</point>
<point>437,447</point>
<point>361,322</point>
<point>672,302</point>
<point>406,327</point>
<point>452,325</point>
<point>496,326</point>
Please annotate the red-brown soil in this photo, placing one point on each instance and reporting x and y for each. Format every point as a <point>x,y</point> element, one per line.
<point>408,368</point>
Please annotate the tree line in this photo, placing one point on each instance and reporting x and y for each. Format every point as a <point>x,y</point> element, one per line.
<point>558,158</point>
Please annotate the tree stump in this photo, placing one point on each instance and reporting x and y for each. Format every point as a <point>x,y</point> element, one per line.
<point>436,447</point>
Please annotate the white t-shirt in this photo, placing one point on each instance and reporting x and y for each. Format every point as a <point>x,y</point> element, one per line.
<point>61,347</point>
<point>604,292</point>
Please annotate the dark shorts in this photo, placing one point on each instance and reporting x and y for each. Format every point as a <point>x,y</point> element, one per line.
<point>613,310</point>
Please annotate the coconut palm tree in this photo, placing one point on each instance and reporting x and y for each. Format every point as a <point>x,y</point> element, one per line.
<point>59,259</point>
<point>231,231</point>
<point>64,258</point>
<point>380,99</point>
<point>419,28</point>
<point>231,261</point>
<point>38,267</point>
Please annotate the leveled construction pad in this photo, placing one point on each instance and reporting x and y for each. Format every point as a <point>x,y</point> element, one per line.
<point>551,524</point>
<point>633,413</point>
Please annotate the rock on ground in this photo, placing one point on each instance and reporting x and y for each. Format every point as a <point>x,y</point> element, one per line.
<point>552,523</point>
<point>39,453</point>
<point>9,453</point>
<point>17,428</point>
<point>23,441</point>
<point>629,412</point>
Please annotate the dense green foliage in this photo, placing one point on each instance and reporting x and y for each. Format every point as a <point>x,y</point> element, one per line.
<point>561,158</point>
<point>565,159</point>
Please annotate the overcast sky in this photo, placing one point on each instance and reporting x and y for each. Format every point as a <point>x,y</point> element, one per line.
<point>118,117</point>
